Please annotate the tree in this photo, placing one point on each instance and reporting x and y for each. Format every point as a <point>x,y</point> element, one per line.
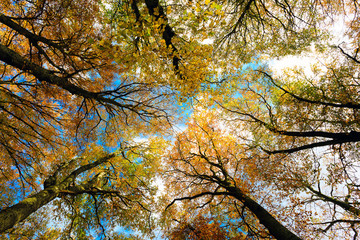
<point>279,123</point>
<point>61,88</point>
<point>307,131</point>
<point>84,189</point>
<point>305,128</point>
<point>209,164</point>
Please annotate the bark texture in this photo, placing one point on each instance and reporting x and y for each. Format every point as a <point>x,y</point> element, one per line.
<point>274,226</point>
<point>20,211</point>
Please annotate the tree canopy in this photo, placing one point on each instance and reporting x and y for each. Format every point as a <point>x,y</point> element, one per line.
<point>177,120</point>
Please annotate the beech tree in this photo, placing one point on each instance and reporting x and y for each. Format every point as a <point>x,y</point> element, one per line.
<point>63,94</point>
<point>305,130</point>
<point>304,125</point>
<point>297,132</point>
<point>92,191</point>
<point>209,164</point>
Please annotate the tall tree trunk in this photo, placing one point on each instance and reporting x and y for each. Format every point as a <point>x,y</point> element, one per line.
<point>274,226</point>
<point>18,212</point>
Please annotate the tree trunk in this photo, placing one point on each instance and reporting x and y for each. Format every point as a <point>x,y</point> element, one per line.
<point>274,226</point>
<point>18,212</point>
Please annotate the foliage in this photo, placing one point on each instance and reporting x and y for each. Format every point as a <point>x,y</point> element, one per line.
<point>200,228</point>
<point>90,96</point>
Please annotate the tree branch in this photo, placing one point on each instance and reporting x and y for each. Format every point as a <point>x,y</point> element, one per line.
<point>31,36</point>
<point>196,196</point>
<point>344,205</point>
<point>338,105</point>
<point>157,11</point>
